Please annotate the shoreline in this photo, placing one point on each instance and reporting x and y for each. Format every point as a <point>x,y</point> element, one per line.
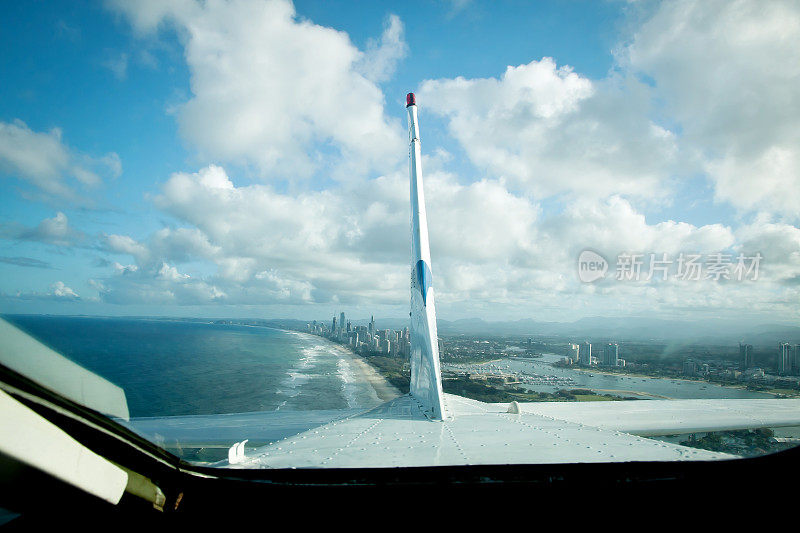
<point>699,381</point>
<point>646,395</point>
<point>640,376</point>
<point>383,389</point>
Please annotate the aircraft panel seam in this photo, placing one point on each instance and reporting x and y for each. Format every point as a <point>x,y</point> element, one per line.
<point>455,441</point>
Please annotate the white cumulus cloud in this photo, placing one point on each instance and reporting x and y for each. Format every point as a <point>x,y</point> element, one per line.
<point>56,230</point>
<point>550,130</point>
<point>271,90</point>
<point>43,160</point>
<point>729,73</point>
<point>381,56</point>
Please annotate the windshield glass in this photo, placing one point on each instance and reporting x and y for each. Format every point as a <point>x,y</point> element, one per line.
<point>265,234</point>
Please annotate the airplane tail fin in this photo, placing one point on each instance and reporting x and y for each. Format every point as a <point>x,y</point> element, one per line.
<point>426,377</point>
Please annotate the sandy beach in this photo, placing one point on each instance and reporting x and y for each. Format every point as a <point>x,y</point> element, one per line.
<point>385,390</point>
<point>367,374</point>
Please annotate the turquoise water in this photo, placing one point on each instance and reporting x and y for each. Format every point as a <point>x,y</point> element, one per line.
<point>170,368</point>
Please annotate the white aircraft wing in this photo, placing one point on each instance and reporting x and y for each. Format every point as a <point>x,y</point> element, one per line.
<point>669,417</point>
<point>398,433</point>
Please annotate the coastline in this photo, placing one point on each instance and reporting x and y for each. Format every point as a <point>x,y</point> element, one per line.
<point>383,389</point>
<point>645,376</point>
<point>645,395</point>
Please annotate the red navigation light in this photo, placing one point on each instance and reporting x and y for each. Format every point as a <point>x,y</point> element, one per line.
<point>410,99</point>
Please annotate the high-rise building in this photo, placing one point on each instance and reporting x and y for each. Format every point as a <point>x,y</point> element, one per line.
<point>572,352</point>
<point>610,354</point>
<point>746,355</point>
<point>333,326</point>
<point>796,360</point>
<point>340,332</point>
<point>784,358</point>
<point>689,367</point>
<point>372,325</point>
<point>585,354</point>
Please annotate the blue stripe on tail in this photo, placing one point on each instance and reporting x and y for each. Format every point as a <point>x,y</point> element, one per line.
<point>424,279</point>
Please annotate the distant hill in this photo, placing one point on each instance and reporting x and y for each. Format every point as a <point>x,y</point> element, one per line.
<point>622,328</point>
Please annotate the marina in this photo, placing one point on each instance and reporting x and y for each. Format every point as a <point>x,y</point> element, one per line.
<point>540,375</point>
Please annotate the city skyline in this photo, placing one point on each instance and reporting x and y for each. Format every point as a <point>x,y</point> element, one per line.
<point>394,342</point>
<point>783,367</point>
<point>364,338</point>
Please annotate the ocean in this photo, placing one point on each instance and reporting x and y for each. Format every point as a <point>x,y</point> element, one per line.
<point>170,368</point>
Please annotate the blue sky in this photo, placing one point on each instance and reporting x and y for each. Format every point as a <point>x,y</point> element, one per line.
<point>192,158</point>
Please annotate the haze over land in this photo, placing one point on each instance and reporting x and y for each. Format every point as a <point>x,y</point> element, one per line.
<point>724,332</point>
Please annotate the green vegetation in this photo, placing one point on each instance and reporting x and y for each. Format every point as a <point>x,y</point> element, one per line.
<point>594,398</point>
<point>583,395</point>
<point>741,442</point>
<point>484,392</point>
<point>712,441</point>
